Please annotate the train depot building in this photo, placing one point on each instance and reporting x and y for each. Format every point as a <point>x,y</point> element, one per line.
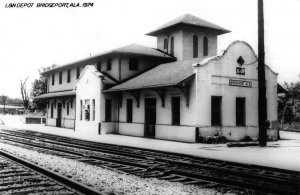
<point>180,91</point>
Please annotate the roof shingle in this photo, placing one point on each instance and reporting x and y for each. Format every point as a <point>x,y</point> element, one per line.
<point>134,49</point>
<point>168,74</point>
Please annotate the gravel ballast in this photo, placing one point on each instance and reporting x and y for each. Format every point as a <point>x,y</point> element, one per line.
<point>104,179</point>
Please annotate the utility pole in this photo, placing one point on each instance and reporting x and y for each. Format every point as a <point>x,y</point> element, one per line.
<point>262,108</point>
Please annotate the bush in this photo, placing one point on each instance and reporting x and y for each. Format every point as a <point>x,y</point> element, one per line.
<point>212,139</point>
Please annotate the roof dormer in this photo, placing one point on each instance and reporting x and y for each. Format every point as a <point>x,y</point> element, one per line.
<point>188,37</point>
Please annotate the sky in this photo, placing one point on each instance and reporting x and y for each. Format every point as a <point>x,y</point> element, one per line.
<point>32,38</point>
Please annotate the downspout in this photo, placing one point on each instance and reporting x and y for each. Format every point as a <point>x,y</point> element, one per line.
<point>118,126</point>
<point>48,102</point>
<point>120,63</point>
<point>48,81</point>
<point>75,114</point>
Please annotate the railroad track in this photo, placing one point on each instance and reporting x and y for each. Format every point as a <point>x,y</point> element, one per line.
<point>20,177</point>
<point>162,165</point>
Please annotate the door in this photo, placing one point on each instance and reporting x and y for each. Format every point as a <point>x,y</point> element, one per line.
<point>58,119</point>
<point>150,117</point>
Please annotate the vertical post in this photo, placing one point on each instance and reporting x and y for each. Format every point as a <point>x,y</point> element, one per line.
<point>4,102</point>
<point>261,77</point>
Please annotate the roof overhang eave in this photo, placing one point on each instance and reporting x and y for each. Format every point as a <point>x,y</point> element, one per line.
<point>44,96</point>
<point>139,88</point>
<point>161,30</point>
<point>167,56</point>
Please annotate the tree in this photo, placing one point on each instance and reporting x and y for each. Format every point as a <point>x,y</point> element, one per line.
<point>39,87</point>
<point>288,114</point>
<point>289,104</point>
<point>24,93</point>
<point>3,101</point>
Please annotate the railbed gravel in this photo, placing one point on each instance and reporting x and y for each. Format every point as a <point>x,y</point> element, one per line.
<point>106,180</point>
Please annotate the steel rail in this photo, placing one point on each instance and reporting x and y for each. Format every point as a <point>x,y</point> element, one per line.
<point>226,181</point>
<point>70,183</point>
<point>278,179</point>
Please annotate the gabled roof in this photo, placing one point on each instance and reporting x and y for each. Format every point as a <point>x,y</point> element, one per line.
<point>168,74</point>
<point>133,49</point>
<point>105,79</point>
<point>191,20</point>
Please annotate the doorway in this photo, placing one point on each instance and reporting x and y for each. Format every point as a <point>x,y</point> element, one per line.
<point>58,119</point>
<point>150,117</point>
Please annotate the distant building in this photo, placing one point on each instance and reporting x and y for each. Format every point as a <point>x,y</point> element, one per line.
<point>11,109</point>
<point>180,91</point>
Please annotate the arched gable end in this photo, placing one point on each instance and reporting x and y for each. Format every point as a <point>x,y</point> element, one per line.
<point>238,60</point>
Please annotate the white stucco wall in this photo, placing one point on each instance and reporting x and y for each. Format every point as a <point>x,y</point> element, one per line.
<point>188,42</point>
<point>144,63</point>
<point>178,43</point>
<point>183,42</point>
<point>134,129</point>
<point>212,79</point>
<point>64,85</point>
<point>88,87</point>
<point>67,120</point>
<point>177,133</point>
<point>164,128</point>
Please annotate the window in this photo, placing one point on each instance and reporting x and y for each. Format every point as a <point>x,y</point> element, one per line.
<point>60,77</point>
<point>205,46</point>
<point>68,108</point>
<point>51,111</point>
<point>129,110</point>
<point>77,72</point>
<point>216,102</point>
<point>195,46</point>
<point>93,109</point>
<point>172,45</point>
<point>240,111</point>
<point>99,66</point>
<point>108,104</point>
<point>108,64</point>
<point>81,110</point>
<point>87,110</point>
<point>175,110</point>
<point>53,77</point>
<point>133,64</point>
<point>69,76</point>
<point>165,43</point>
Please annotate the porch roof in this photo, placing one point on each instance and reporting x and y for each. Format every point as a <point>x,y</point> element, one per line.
<point>56,94</point>
<point>168,74</point>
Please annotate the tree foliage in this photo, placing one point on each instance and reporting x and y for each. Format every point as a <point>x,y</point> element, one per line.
<point>289,104</point>
<point>39,87</point>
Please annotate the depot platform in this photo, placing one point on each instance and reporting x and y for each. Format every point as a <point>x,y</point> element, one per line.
<point>284,153</point>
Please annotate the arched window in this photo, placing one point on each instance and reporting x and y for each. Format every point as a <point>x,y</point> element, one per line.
<point>172,46</point>
<point>205,46</point>
<point>166,44</point>
<point>195,46</point>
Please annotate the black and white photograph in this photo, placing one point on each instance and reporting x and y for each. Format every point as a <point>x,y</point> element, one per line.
<point>149,97</point>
